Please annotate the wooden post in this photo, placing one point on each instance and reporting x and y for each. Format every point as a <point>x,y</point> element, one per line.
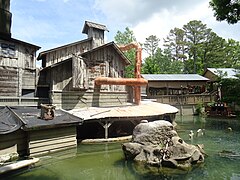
<point>181,109</point>
<point>20,75</point>
<point>106,126</point>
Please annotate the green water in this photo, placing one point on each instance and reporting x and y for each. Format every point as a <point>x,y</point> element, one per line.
<point>106,161</point>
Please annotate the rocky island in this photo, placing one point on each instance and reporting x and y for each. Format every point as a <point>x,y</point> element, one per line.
<point>156,144</point>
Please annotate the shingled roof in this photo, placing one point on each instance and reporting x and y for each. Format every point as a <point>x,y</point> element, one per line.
<point>88,25</point>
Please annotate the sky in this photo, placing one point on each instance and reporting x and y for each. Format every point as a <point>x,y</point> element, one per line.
<point>53,23</point>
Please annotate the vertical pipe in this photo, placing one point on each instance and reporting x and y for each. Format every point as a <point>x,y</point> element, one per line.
<point>137,70</point>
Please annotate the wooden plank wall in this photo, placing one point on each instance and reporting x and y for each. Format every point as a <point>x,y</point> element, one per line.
<point>17,67</point>
<point>51,140</point>
<point>18,138</point>
<point>29,79</point>
<point>67,52</point>
<point>22,101</point>
<point>80,99</point>
<point>60,77</point>
<point>105,62</point>
<point>21,56</point>
<point>8,81</point>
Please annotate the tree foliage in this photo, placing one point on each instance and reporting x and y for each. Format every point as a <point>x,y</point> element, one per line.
<point>200,48</point>
<point>190,49</point>
<point>230,89</point>
<point>228,10</point>
<point>151,45</point>
<point>123,38</point>
<point>175,43</point>
<point>161,63</point>
<point>196,34</point>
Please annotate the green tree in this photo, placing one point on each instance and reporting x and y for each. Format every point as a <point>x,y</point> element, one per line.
<point>123,38</point>
<point>196,34</point>
<point>175,43</point>
<point>230,90</point>
<point>161,63</point>
<point>228,10</point>
<point>232,54</point>
<point>151,44</point>
<point>212,52</point>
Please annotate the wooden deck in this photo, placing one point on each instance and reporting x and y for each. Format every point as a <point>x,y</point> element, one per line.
<point>37,136</point>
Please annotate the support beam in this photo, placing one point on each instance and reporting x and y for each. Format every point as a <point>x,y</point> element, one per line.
<point>106,125</point>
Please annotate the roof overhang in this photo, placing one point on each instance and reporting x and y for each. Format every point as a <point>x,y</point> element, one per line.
<point>112,44</point>
<point>42,54</point>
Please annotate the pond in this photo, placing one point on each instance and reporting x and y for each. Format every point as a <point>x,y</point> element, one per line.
<point>106,161</point>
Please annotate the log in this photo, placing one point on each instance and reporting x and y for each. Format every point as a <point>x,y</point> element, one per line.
<point>18,165</point>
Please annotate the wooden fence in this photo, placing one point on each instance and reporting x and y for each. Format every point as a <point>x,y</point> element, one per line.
<point>189,99</point>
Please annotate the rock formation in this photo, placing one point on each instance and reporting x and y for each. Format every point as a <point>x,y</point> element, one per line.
<point>157,144</point>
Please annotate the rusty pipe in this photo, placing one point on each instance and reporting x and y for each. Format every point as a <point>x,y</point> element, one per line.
<point>135,82</point>
<point>120,81</point>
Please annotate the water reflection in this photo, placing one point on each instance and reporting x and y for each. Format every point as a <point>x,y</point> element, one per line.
<point>106,161</point>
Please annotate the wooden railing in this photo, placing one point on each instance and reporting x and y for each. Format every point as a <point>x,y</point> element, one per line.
<point>188,99</point>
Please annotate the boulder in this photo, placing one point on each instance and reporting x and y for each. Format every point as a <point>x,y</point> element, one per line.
<point>157,144</point>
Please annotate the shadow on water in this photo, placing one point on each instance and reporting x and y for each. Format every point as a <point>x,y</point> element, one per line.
<point>106,161</point>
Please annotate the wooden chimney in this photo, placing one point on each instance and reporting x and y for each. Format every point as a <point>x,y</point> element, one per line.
<point>96,32</point>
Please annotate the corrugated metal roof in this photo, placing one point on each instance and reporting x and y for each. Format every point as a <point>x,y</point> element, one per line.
<point>229,73</point>
<point>144,109</point>
<point>94,25</point>
<point>174,77</point>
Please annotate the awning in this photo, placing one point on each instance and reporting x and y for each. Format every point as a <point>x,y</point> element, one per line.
<point>145,109</point>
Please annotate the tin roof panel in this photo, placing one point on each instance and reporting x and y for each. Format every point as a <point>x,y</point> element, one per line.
<point>174,77</point>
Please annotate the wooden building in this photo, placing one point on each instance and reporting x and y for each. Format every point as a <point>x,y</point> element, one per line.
<point>69,71</point>
<point>17,68</point>
<point>25,133</point>
<point>213,74</point>
<point>174,84</point>
<point>183,91</point>
<point>17,63</point>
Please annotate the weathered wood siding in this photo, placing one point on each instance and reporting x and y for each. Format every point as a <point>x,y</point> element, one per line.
<point>17,68</point>
<point>22,101</point>
<point>190,99</point>
<point>80,99</point>
<point>8,81</point>
<point>208,74</point>
<point>105,62</point>
<point>80,73</point>
<point>18,55</point>
<point>13,80</point>
<point>18,138</point>
<point>28,79</point>
<point>67,52</point>
<point>98,37</point>
<point>60,77</point>
<point>50,140</point>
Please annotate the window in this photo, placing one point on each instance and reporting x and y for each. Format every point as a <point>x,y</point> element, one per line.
<point>8,50</point>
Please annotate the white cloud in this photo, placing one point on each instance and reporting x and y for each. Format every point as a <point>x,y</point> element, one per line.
<point>156,17</point>
<point>58,22</point>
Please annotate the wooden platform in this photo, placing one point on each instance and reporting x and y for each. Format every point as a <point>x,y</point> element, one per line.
<point>17,165</point>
